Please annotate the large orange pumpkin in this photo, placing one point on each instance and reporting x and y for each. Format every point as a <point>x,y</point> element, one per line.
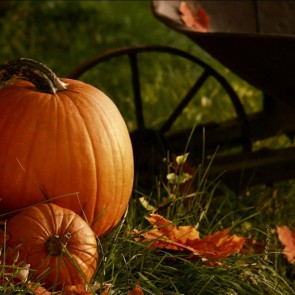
<point>58,244</point>
<point>62,140</point>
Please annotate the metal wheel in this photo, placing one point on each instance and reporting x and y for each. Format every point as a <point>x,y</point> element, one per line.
<point>150,145</point>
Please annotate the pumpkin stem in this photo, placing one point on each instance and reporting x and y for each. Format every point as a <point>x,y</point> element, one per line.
<point>28,69</point>
<point>54,245</point>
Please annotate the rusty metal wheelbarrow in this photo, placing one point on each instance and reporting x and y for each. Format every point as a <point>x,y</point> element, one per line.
<point>256,40</point>
<point>246,53</point>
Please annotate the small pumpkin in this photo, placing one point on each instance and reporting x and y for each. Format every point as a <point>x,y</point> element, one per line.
<point>58,244</point>
<point>65,141</point>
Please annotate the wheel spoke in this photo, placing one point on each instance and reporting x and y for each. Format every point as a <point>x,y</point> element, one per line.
<point>136,90</point>
<point>188,97</point>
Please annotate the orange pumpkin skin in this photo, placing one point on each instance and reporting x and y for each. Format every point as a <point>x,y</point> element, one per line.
<point>31,229</point>
<point>72,147</point>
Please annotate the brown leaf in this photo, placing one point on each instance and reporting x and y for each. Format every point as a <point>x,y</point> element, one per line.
<point>165,235</point>
<point>287,238</point>
<point>179,234</point>
<point>136,291</point>
<point>76,290</point>
<point>217,245</point>
<point>198,19</point>
<point>38,290</point>
<point>22,273</point>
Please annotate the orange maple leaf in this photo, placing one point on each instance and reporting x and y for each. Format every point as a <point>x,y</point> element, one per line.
<point>136,291</point>
<point>287,238</point>
<point>217,245</point>
<point>166,227</point>
<point>165,235</point>
<point>197,20</point>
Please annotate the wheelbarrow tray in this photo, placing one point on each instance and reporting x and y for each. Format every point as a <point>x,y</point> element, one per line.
<point>254,39</point>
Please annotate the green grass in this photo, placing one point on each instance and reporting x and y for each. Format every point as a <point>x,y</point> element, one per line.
<point>63,34</point>
<point>164,272</point>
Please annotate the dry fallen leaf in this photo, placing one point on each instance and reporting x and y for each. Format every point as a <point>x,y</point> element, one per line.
<point>166,235</point>
<point>136,291</point>
<point>23,273</point>
<point>217,245</point>
<point>287,238</point>
<point>177,234</point>
<point>37,289</point>
<point>76,290</point>
<point>198,19</point>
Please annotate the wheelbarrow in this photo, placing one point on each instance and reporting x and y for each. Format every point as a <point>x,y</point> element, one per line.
<point>245,53</point>
<point>255,40</point>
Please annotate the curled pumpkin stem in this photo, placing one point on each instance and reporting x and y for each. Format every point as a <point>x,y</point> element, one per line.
<point>35,72</point>
<point>55,244</point>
